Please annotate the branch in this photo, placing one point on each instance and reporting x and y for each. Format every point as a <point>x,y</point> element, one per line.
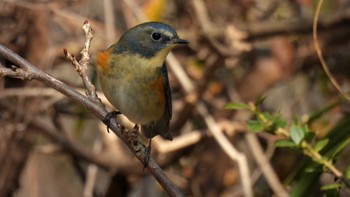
<point>48,131</point>
<point>304,145</point>
<point>26,70</point>
<point>320,56</point>
<point>82,66</point>
<point>264,164</point>
<point>261,30</point>
<point>265,29</point>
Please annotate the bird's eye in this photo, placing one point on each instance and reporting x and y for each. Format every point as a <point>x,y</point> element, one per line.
<point>156,36</point>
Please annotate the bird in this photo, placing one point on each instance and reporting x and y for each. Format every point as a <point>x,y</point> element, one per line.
<point>134,78</point>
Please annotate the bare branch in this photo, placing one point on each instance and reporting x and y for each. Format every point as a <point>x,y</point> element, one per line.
<point>261,30</point>
<point>97,110</point>
<point>15,73</point>
<point>82,66</point>
<point>265,166</point>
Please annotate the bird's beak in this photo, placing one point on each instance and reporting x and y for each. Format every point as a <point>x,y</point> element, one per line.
<point>179,41</point>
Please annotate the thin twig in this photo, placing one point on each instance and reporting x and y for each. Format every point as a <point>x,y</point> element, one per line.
<point>92,169</point>
<point>228,148</point>
<point>265,166</point>
<point>319,53</point>
<point>63,142</point>
<point>307,148</point>
<point>183,141</point>
<point>82,66</point>
<point>15,73</point>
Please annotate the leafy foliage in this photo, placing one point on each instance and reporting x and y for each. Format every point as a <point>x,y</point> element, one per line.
<point>297,134</point>
<point>321,152</point>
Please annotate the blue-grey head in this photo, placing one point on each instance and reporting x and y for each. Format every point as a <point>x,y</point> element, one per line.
<point>147,39</point>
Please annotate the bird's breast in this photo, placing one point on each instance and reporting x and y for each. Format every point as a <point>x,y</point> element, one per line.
<point>134,86</point>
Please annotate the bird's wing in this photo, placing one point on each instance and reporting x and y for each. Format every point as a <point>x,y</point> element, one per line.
<point>165,130</point>
<point>162,126</point>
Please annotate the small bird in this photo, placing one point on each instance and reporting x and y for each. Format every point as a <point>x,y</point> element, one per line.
<point>134,78</point>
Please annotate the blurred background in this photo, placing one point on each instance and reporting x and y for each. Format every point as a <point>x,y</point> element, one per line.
<point>239,51</point>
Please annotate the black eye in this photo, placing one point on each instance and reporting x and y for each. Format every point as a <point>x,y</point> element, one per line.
<point>156,36</point>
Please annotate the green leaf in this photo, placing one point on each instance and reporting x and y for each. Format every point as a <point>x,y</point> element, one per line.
<point>305,129</point>
<point>260,100</point>
<point>331,186</point>
<point>321,144</point>
<point>297,134</point>
<point>231,106</point>
<point>276,122</point>
<point>280,122</point>
<point>267,115</point>
<point>255,125</point>
<point>285,143</point>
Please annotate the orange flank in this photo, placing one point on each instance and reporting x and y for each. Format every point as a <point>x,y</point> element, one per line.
<point>102,60</point>
<point>158,87</point>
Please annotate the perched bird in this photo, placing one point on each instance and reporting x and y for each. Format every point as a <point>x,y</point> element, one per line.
<point>134,78</point>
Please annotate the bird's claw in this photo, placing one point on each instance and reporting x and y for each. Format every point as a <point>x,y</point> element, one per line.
<point>108,117</point>
<point>146,154</point>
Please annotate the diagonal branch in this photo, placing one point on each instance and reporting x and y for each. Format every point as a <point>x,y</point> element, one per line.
<point>26,69</point>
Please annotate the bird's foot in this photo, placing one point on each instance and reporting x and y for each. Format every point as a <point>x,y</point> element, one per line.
<point>147,152</point>
<point>108,117</point>
<point>131,137</point>
<point>139,148</point>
